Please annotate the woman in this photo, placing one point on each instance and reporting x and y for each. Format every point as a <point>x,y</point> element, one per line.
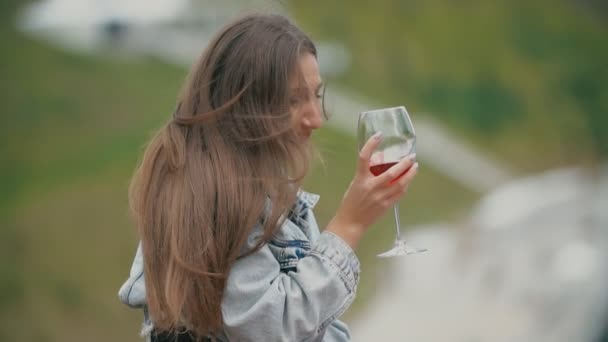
<point>231,247</point>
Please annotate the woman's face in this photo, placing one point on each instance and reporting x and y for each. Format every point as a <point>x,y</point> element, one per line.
<point>305,97</point>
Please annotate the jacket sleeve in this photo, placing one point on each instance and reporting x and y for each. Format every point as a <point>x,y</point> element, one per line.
<point>261,303</point>
<point>133,291</point>
<point>337,331</point>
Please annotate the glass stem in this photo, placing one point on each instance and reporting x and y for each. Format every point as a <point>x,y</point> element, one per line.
<point>397,220</point>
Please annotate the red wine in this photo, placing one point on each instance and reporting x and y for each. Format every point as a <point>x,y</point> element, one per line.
<point>379,169</point>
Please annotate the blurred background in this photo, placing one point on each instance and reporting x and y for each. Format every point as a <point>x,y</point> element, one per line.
<point>510,104</point>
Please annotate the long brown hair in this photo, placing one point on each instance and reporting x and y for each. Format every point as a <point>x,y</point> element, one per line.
<point>206,177</point>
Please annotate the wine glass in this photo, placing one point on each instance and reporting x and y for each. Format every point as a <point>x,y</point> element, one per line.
<point>399,141</point>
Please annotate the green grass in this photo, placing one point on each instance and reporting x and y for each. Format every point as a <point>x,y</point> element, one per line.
<point>71,133</point>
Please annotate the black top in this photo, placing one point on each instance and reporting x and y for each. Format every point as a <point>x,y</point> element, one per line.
<point>182,336</point>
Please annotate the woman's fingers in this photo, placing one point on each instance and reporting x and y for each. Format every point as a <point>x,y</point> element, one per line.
<point>409,175</point>
<point>399,186</point>
<point>376,158</point>
<point>366,152</point>
<point>368,197</point>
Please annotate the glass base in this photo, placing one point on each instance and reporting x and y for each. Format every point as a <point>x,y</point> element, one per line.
<point>401,248</point>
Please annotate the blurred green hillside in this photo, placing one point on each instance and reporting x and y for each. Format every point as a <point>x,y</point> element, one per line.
<point>73,127</point>
<point>527,81</point>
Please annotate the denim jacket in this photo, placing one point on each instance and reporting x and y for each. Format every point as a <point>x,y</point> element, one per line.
<point>293,289</point>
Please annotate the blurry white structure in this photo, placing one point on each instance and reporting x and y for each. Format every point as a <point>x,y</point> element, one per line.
<point>504,207</point>
<point>530,265</point>
<point>77,14</point>
<point>175,30</point>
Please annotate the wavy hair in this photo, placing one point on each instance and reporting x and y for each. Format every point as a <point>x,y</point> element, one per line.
<point>205,177</point>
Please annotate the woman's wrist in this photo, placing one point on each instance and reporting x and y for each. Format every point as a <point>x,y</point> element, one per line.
<point>350,232</point>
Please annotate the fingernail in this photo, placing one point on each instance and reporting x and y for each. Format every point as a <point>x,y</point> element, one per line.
<point>412,156</point>
<point>416,165</point>
<point>377,135</point>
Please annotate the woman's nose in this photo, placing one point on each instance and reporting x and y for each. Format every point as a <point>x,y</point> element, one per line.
<point>312,117</point>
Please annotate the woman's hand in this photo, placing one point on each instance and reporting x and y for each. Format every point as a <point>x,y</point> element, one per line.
<point>369,197</point>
